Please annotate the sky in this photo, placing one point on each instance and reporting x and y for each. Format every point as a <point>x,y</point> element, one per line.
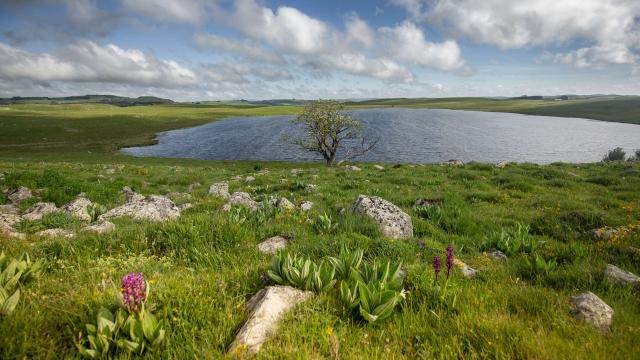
<point>260,49</point>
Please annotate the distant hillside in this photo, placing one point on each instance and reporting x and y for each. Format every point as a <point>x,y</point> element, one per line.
<point>96,99</point>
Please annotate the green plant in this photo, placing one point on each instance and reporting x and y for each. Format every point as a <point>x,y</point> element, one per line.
<point>298,185</point>
<point>95,210</point>
<point>430,212</point>
<point>616,154</point>
<point>512,241</point>
<point>8,303</point>
<point>291,269</point>
<point>324,224</point>
<point>238,215</point>
<point>536,265</point>
<point>323,277</point>
<point>346,261</point>
<point>18,271</point>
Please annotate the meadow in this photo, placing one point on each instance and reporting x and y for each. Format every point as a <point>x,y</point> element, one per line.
<point>203,266</point>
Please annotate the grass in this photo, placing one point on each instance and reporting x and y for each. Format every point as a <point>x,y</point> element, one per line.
<point>204,265</point>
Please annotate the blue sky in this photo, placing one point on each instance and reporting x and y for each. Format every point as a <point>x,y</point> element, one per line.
<point>252,49</point>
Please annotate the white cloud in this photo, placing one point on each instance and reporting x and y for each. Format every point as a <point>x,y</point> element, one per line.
<point>186,11</point>
<point>359,64</point>
<point>359,31</point>
<point>89,62</point>
<point>246,47</point>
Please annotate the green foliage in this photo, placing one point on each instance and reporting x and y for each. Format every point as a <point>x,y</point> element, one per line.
<point>432,213</point>
<point>617,154</point>
<point>324,224</point>
<point>52,220</point>
<point>512,241</point>
<point>15,272</point>
<point>122,332</point>
<point>536,265</point>
<point>568,225</point>
<point>346,262</point>
<point>8,302</point>
<point>298,185</point>
<point>95,210</point>
<point>301,272</point>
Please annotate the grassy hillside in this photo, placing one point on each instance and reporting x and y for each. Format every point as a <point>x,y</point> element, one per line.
<point>620,109</point>
<point>204,265</point>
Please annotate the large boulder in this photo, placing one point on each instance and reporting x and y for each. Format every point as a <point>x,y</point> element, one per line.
<point>152,207</point>
<point>9,209</point>
<point>244,199</point>
<point>101,227</point>
<point>393,222</point>
<point>265,310</point>
<point>79,208</point>
<point>220,190</point>
<point>7,225</point>
<point>131,195</point>
<point>273,244</point>
<point>589,308</point>
<point>38,210</point>
<point>617,276</point>
<point>16,196</point>
<point>56,233</point>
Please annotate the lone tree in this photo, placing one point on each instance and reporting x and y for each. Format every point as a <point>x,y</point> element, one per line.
<point>326,128</point>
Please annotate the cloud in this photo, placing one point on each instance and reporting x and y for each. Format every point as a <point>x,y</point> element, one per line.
<point>89,62</point>
<point>185,11</point>
<point>359,31</point>
<point>359,64</point>
<point>246,48</point>
<point>242,73</point>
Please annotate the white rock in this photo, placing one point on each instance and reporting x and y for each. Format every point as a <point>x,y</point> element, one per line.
<point>273,244</point>
<point>16,196</point>
<point>502,164</point>
<point>185,206</point>
<point>455,162</point>
<point>617,276</point>
<point>306,205</point>
<point>102,227</point>
<point>295,172</point>
<point>393,222</point>
<point>311,188</point>
<point>7,225</point>
<point>249,179</point>
<point>466,270</point>
<point>152,207</point>
<point>220,190</point>
<point>79,208</point>
<point>242,198</point>
<point>589,308</point>
<point>56,233</point>
<point>193,186</point>
<point>284,204</point>
<point>266,308</point>
<point>497,255</point>
<point>131,195</point>
<point>9,209</point>
<point>237,178</point>
<point>38,210</point>
<point>378,167</point>
<point>352,168</point>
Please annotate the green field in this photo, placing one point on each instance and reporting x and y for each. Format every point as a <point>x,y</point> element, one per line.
<point>205,264</point>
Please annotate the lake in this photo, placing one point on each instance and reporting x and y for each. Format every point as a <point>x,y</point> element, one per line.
<point>410,136</point>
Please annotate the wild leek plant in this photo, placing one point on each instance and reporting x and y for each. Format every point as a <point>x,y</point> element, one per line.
<point>325,224</point>
<point>432,213</point>
<point>302,273</point>
<point>15,272</point>
<point>8,302</point>
<point>512,241</point>
<point>346,261</point>
<point>132,329</point>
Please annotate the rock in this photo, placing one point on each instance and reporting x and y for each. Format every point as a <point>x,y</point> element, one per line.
<point>237,178</point>
<point>310,188</point>
<point>378,167</point>
<point>185,206</point>
<point>152,207</point>
<point>284,204</point>
<point>38,210</point>
<point>607,233</point>
<point>102,227</point>
<point>226,207</point>
<point>262,172</point>
<point>16,196</point>
<point>242,198</point>
<point>502,164</point>
<point>9,209</point>
<point>266,308</point>
<point>572,174</point>
<point>131,195</point>
<point>295,172</point>
<point>497,255</point>
<point>393,222</point>
<point>589,308</point>
<point>306,205</point>
<point>7,225</point>
<point>428,202</point>
<point>352,168</point>
<point>273,244</point>
<point>220,190</point>
<point>79,208</point>
<point>617,276</point>
<point>193,186</point>
<point>466,270</point>
<point>249,179</point>
<point>56,233</point>
<point>455,162</point>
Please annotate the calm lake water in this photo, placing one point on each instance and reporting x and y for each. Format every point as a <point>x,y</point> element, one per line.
<point>410,136</point>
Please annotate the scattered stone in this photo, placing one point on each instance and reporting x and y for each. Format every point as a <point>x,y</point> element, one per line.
<point>617,276</point>
<point>502,164</point>
<point>110,171</point>
<point>152,207</point>
<point>284,204</point>
<point>242,198</point>
<point>466,270</point>
<point>352,168</point>
<point>249,179</point>
<point>306,205</point>
<point>56,233</point>
<point>393,222</point>
<point>131,195</point>
<point>497,255</point>
<point>606,233</point>
<point>266,308</point>
<point>7,223</point>
<point>226,207</point>
<point>378,167</point>
<point>455,162</point>
<point>589,308</point>
<point>237,178</point>
<point>262,172</point>
<point>311,188</point>
<point>9,209</point>
<point>428,202</point>
<point>220,190</point>
<point>101,227</point>
<point>295,172</point>
<point>193,186</point>
<point>79,208</point>
<point>38,210</point>
<point>273,244</point>
<point>16,196</point>
<point>185,206</point>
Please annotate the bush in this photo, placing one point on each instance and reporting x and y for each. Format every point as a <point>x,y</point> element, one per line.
<point>636,156</point>
<point>616,154</point>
